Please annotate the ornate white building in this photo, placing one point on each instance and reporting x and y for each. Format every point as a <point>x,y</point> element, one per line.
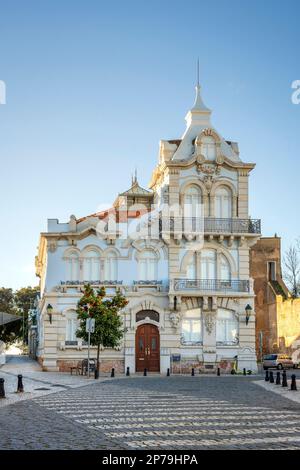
<point>180,254</point>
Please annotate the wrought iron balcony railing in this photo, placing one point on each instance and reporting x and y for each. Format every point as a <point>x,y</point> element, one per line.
<point>209,225</point>
<point>92,283</point>
<point>214,285</point>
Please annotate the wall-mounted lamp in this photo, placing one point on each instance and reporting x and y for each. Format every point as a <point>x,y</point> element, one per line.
<point>248,310</point>
<point>50,311</point>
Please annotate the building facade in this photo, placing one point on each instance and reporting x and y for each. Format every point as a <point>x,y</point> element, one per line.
<point>180,254</point>
<point>277,312</point>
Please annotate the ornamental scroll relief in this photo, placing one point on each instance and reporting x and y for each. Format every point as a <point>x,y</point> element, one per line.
<point>175,318</point>
<point>209,321</point>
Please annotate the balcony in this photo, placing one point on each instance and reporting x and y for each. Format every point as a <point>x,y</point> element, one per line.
<point>209,225</point>
<point>212,285</point>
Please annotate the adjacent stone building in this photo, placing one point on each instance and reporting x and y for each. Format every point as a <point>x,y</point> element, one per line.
<point>178,251</point>
<point>277,313</point>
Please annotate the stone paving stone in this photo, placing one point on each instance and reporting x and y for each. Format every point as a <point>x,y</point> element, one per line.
<point>156,413</point>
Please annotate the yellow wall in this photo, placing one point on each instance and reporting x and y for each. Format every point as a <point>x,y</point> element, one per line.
<point>288,320</point>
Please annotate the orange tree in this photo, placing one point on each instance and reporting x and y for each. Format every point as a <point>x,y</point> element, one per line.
<point>109,328</point>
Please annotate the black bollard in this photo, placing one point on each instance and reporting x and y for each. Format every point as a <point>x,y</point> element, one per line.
<point>145,372</point>
<point>20,387</point>
<point>278,381</point>
<point>193,372</point>
<point>2,390</point>
<point>218,372</point>
<point>271,377</point>
<point>267,378</point>
<point>96,373</point>
<point>112,372</point>
<point>168,372</point>
<point>284,380</point>
<point>293,383</point>
<point>127,372</point>
<point>244,371</point>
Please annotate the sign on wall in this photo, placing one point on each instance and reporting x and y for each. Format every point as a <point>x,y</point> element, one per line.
<point>90,325</point>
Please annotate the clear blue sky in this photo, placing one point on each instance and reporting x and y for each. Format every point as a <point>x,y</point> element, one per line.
<point>93,85</point>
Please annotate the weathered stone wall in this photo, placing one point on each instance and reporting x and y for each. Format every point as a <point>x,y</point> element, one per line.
<point>288,322</point>
<point>187,365</point>
<point>105,365</point>
<point>277,316</point>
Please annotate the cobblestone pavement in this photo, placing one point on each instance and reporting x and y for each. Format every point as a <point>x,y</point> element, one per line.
<point>35,381</point>
<point>155,413</point>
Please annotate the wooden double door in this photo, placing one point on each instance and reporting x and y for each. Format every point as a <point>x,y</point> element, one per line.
<point>147,348</point>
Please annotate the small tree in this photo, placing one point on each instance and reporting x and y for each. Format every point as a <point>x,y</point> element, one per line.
<point>109,328</point>
<point>24,300</point>
<point>291,264</point>
<point>9,332</point>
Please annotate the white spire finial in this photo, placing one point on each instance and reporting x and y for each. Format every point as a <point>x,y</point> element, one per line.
<point>198,104</point>
<point>134,177</point>
<point>199,114</point>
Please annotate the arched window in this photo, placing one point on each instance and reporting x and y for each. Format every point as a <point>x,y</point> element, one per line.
<point>208,264</point>
<point>147,266</point>
<point>225,271</point>
<point>91,266</point>
<point>191,271</point>
<point>227,327</point>
<point>111,267</point>
<point>73,266</point>
<point>223,203</point>
<point>208,147</point>
<point>191,327</point>
<point>193,201</point>
<point>71,327</point>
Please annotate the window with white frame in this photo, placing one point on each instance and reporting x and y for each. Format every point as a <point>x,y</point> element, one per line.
<point>191,271</point>
<point>227,327</point>
<point>191,327</point>
<point>193,201</point>
<point>208,264</point>
<point>208,147</point>
<point>91,266</point>
<point>225,271</point>
<point>73,266</point>
<point>111,267</point>
<point>223,203</point>
<point>71,327</point>
<point>147,265</point>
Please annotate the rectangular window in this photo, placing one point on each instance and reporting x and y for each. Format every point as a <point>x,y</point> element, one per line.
<point>71,328</point>
<point>111,269</point>
<point>271,271</point>
<point>226,331</point>
<point>191,328</point>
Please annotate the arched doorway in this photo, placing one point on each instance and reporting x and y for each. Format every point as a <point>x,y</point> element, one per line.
<point>147,348</point>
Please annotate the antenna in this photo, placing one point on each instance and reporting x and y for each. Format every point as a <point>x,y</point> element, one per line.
<point>198,84</point>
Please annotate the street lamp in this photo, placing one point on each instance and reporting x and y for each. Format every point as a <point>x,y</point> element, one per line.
<point>50,311</point>
<point>248,310</point>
